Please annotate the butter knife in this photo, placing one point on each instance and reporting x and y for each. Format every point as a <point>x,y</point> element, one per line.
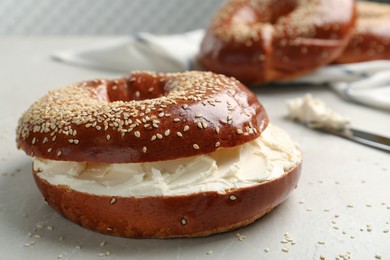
<point>373,140</point>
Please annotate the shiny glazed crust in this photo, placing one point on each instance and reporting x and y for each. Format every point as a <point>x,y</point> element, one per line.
<point>194,215</point>
<point>273,40</point>
<point>140,118</point>
<point>371,38</point>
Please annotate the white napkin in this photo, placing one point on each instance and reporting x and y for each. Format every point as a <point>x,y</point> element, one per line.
<point>367,83</point>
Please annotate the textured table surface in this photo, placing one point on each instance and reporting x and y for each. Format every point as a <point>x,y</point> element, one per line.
<point>341,207</point>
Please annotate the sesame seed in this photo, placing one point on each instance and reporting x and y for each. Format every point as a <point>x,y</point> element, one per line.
<point>199,124</point>
<point>108,137</point>
<point>195,146</point>
<point>239,131</point>
<point>39,226</point>
<point>285,249</point>
<point>159,136</point>
<point>240,237</point>
<point>185,106</point>
<point>153,138</point>
<point>179,134</point>
<point>232,197</point>
<point>103,243</point>
<point>29,244</point>
<point>183,221</point>
<point>167,132</point>
<point>266,249</point>
<point>59,153</point>
<point>144,149</point>
<point>217,144</point>
<point>176,120</point>
<point>112,200</point>
<point>186,128</point>
<point>137,134</point>
<point>321,242</point>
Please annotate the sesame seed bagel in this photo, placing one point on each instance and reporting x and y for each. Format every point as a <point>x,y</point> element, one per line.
<point>140,118</point>
<point>272,40</point>
<point>371,38</point>
<point>159,155</point>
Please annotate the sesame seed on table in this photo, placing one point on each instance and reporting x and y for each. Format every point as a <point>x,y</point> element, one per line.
<point>336,173</point>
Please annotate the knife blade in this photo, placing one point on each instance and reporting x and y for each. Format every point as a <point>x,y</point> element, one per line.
<point>370,139</point>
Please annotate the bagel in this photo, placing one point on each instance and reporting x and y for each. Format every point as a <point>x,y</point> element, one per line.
<point>261,41</point>
<point>238,167</point>
<point>371,38</point>
<point>130,119</point>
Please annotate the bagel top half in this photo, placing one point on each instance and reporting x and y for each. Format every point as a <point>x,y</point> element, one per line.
<point>141,118</point>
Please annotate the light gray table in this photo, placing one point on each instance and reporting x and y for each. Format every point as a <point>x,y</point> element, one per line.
<point>341,206</point>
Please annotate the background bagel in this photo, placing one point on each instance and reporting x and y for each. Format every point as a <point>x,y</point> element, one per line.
<point>371,37</point>
<point>261,41</point>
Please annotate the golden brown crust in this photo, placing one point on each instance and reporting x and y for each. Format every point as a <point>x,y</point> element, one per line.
<point>267,40</point>
<point>145,117</point>
<point>194,215</point>
<point>371,38</point>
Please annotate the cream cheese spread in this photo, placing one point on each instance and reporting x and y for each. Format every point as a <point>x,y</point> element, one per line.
<point>265,158</point>
<point>315,113</point>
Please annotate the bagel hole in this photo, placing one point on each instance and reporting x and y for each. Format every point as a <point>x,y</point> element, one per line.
<point>136,88</point>
<point>269,13</point>
<point>279,10</point>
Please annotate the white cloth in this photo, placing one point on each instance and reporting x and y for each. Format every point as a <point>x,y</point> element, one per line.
<point>367,83</point>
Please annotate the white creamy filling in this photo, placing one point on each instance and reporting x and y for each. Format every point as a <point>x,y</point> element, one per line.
<point>266,158</point>
<point>315,113</point>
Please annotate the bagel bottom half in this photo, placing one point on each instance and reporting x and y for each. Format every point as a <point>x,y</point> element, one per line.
<point>198,210</point>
